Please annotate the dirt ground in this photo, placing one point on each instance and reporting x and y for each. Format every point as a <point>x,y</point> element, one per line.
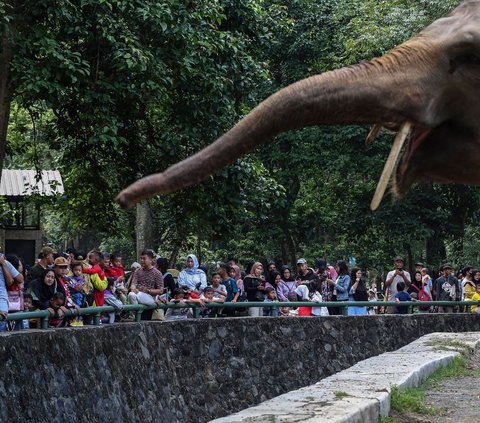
<point>455,400</point>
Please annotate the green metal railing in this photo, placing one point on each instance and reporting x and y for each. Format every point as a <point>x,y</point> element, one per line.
<point>138,309</point>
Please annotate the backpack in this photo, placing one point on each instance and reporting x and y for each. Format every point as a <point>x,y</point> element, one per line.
<point>422,296</point>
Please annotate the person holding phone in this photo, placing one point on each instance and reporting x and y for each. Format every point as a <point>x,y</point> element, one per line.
<point>393,278</point>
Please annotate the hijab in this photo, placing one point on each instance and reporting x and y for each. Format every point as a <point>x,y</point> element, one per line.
<point>194,270</point>
<point>291,279</point>
<point>238,275</point>
<point>44,292</point>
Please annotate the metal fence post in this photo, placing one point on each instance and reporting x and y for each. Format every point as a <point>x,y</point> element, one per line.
<point>45,320</point>
<point>196,311</point>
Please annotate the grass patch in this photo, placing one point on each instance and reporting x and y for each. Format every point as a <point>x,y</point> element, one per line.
<point>410,399</point>
<point>457,367</point>
<point>388,420</point>
<point>413,399</point>
<point>341,394</point>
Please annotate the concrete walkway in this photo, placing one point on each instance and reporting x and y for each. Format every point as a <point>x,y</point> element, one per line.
<point>362,392</point>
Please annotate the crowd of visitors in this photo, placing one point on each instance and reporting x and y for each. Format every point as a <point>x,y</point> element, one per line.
<point>69,280</point>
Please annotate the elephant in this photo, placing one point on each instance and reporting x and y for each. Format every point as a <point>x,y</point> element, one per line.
<point>427,88</point>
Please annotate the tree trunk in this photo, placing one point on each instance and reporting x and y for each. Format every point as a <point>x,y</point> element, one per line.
<point>199,248</point>
<point>174,255</point>
<point>6,93</point>
<point>292,194</point>
<point>143,227</point>
<point>409,264</point>
<point>436,252</point>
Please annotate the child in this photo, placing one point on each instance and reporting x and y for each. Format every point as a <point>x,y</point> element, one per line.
<point>28,306</point>
<point>111,299</point>
<point>115,268</point>
<point>116,271</point>
<point>208,297</point>
<point>28,302</point>
<point>98,280</point>
<point>427,282</point>
<point>402,296</point>
<point>270,297</point>
<point>178,313</point>
<point>57,310</point>
<point>476,297</point>
<point>372,296</point>
<point>76,285</point>
<point>219,290</point>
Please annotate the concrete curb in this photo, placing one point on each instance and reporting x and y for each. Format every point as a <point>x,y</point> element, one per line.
<point>362,392</point>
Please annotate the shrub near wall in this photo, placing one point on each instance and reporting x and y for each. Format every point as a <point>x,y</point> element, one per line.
<point>189,371</point>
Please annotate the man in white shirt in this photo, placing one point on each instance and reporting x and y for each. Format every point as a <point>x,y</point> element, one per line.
<point>393,278</point>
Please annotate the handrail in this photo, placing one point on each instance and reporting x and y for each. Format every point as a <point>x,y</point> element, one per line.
<point>138,309</point>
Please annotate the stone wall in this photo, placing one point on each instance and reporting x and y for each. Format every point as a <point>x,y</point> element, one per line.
<point>189,371</point>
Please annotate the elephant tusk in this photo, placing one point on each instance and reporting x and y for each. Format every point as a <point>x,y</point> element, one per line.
<point>373,134</point>
<point>402,135</point>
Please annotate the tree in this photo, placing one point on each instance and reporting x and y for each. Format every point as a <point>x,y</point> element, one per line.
<point>130,87</point>
<point>118,90</point>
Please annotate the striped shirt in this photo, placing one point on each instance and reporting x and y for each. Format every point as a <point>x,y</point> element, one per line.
<point>148,279</point>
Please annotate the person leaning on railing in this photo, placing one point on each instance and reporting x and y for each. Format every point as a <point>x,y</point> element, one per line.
<point>254,284</point>
<point>341,284</point>
<point>178,313</point>
<point>147,282</point>
<point>476,297</point>
<point>8,276</point>
<point>447,288</point>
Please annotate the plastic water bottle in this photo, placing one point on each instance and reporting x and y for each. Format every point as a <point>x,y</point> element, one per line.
<point>26,324</point>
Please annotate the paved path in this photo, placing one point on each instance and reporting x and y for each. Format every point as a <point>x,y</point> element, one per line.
<point>362,392</point>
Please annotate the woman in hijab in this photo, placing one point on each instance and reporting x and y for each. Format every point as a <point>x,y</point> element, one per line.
<point>192,277</point>
<point>254,284</point>
<point>286,287</point>
<point>44,292</point>
<point>236,274</point>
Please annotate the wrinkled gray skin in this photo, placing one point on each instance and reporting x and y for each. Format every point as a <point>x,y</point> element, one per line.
<point>432,80</point>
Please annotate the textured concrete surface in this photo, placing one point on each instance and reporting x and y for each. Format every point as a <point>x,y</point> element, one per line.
<point>362,392</point>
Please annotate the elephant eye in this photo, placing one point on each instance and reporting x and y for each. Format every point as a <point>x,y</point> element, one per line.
<point>466,59</point>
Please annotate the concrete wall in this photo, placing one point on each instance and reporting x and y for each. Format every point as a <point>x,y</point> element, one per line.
<point>190,371</point>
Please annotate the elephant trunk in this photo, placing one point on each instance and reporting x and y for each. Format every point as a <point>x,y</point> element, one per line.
<point>371,92</point>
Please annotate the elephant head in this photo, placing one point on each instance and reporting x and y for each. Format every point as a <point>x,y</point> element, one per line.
<point>428,86</point>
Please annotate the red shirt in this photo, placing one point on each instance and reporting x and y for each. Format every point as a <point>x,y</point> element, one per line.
<point>94,269</point>
<point>115,272</point>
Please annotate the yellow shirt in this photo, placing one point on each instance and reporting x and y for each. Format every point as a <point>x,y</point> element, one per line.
<point>470,290</point>
<point>475,297</point>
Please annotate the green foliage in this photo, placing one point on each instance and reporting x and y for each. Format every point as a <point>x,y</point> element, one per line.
<point>376,26</point>
<point>109,91</point>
